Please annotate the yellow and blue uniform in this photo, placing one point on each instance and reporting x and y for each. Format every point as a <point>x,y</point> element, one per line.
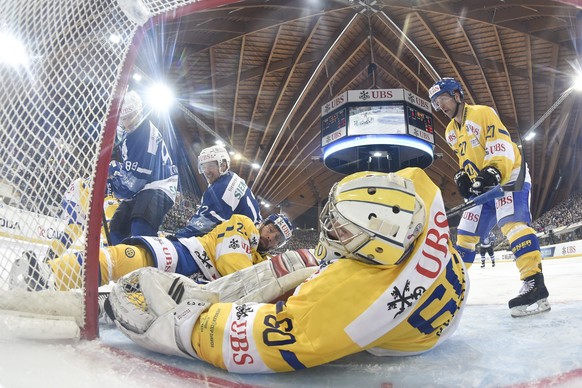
<point>75,206</point>
<point>481,141</point>
<point>229,247</point>
<point>347,306</point>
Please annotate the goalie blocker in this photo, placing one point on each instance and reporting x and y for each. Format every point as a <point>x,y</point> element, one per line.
<point>158,310</point>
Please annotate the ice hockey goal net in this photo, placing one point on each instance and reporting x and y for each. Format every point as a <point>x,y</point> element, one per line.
<point>64,68</point>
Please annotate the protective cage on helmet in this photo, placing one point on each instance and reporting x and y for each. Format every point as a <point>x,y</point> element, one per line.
<point>372,217</point>
<point>444,85</point>
<point>283,224</point>
<point>216,154</point>
<point>131,113</point>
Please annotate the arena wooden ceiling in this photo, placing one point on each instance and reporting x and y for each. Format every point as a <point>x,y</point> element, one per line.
<point>255,74</point>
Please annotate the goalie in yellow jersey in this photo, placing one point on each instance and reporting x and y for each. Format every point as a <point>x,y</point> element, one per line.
<point>389,282</point>
<point>488,157</point>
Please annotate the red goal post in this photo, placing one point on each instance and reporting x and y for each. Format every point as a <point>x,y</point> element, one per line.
<point>63,78</point>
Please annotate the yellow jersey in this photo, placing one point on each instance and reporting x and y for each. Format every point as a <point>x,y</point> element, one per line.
<point>347,306</point>
<point>482,140</point>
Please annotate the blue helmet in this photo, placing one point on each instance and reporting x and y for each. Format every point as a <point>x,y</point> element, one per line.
<point>444,85</point>
<point>283,224</point>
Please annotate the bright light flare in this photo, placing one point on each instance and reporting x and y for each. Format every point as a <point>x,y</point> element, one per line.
<point>530,136</point>
<point>160,97</point>
<point>12,51</point>
<point>114,38</point>
<point>578,82</point>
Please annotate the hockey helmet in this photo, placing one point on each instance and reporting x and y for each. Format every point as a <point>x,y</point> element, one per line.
<point>217,154</point>
<point>131,111</point>
<point>444,85</point>
<point>283,224</point>
<point>372,217</point>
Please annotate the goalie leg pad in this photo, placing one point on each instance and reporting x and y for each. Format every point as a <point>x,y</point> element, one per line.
<point>158,310</point>
<point>268,280</point>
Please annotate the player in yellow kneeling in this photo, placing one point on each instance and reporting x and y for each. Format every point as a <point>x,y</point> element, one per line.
<point>232,245</point>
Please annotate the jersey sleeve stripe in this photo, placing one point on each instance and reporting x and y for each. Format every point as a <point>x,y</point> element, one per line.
<point>291,359</point>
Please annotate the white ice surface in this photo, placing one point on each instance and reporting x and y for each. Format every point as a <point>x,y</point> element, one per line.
<point>489,349</point>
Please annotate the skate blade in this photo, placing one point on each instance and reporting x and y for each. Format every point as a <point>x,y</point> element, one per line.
<point>17,276</point>
<point>540,306</point>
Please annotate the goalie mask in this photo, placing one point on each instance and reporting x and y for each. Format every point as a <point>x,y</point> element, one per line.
<point>131,111</point>
<point>372,217</point>
<point>216,154</point>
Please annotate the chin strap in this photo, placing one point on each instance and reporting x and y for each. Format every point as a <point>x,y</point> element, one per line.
<point>456,110</point>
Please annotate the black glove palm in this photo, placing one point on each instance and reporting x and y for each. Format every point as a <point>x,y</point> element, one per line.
<point>487,178</point>
<point>463,183</point>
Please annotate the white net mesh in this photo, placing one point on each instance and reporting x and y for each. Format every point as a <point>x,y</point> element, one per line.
<point>61,65</point>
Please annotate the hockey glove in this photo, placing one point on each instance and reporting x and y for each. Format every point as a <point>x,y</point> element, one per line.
<point>158,310</point>
<point>487,178</point>
<point>114,169</point>
<point>463,183</point>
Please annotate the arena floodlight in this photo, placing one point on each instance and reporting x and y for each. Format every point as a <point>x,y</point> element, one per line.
<point>114,38</point>
<point>160,97</point>
<point>530,136</point>
<point>12,51</point>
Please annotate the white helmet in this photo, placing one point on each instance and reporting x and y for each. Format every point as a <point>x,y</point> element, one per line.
<point>131,111</point>
<point>214,153</point>
<point>372,217</point>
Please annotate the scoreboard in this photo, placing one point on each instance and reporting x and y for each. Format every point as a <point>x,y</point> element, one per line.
<point>376,111</point>
<point>359,125</point>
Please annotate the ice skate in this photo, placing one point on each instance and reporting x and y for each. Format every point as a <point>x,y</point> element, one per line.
<point>492,264</point>
<point>29,274</point>
<point>105,310</point>
<point>482,264</point>
<point>532,298</point>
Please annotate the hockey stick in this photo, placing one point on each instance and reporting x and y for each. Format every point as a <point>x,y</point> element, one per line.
<point>490,194</point>
<point>494,192</point>
<point>106,228</point>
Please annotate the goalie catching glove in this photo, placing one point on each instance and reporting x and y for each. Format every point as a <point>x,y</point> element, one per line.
<point>158,310</point>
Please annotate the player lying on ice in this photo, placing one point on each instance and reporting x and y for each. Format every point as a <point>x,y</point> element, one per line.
<point>232,245</point>
<point>389,282</point>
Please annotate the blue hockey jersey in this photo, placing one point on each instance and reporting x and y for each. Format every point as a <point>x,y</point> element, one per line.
<point>146,164</point>
<point>228,195</point>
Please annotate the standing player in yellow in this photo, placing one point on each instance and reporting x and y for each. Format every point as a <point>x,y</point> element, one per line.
<point>389,282</point>
<point>488,157</point>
